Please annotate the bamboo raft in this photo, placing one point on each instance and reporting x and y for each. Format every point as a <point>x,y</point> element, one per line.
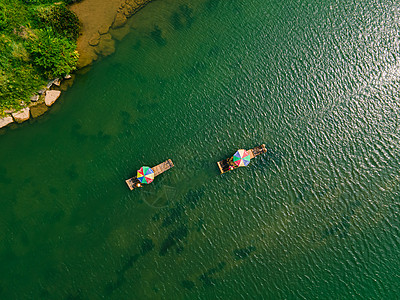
<point>161,168</point>
<point>227,165</point>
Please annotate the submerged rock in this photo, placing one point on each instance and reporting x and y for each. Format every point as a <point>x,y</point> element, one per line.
<point>95,39</point>
<point>128,10</point>
<point>120,20</point>
<point>38,110</point>
<point>5,121</point>
<point>104,28</point>
<point>120,33</point>
<point>22,115</point>
<point>65,84</point>
<point>51,97</point>
<point>106,45</point>
<point>57,81</point>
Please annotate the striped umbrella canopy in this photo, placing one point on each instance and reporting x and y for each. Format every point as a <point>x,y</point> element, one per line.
<point>145,174</point>
<point>241,158</point>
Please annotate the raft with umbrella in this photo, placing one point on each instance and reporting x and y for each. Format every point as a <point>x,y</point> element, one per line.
<point>241,158</point>
<point>145,175</point>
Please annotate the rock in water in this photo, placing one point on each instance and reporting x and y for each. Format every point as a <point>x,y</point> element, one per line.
<point>38,110</point>
<point>104,28</point>
<point>95,39</point>
<point>57,82</point>
<point>51,97</point>
<point>119,20</point>
<point>5,121</point>
<point>22,115</point>
<point>106,45</point>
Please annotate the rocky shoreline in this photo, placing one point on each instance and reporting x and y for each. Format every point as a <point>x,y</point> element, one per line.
<point>97,18</point>
<point>39,104</point>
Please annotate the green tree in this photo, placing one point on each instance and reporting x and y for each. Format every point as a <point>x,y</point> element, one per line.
<point>54,55</point>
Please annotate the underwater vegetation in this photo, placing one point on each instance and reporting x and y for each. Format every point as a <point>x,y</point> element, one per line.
<point>207,278</point>
<point>183,18</point>
<point>243,253</point>
<point>156,35</point>
<point>146,246</point>
<point>174,239</point>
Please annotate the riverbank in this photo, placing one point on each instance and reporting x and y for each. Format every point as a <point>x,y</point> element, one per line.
<point>97,18</point>
<point>37,43</point>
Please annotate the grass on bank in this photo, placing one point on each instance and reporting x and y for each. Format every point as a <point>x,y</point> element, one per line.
<point>37,43</point>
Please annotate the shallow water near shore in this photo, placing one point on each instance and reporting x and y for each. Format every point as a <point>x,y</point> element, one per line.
<point>316,217</point>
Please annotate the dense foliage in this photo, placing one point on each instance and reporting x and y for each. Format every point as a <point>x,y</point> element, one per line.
<point>59,18</point>
<point>54,55</point>
<point>37,43</point>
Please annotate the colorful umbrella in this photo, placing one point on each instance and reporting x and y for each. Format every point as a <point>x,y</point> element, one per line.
<point>145,175</point>
<point>241,158</point>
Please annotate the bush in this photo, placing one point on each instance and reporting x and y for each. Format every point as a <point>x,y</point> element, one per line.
<point>71,1</point>
<point>12,15</point>
<point>59,18</point>
<point>19,79</point>
<point>3,17</point>
<point>55,56</point>
<point>20,84</point>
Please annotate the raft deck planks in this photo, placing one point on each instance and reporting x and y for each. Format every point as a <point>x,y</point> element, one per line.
<point>257,151</point>
<point>166,165</point>
<point>224,165</point>
<point>160,168</point>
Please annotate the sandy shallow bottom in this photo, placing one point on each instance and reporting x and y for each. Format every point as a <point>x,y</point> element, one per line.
<point>95,15</point>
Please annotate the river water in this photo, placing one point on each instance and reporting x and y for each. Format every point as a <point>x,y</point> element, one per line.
<point>316,217</point>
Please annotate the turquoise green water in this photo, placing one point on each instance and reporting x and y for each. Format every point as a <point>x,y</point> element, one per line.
<point>317,217</point>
